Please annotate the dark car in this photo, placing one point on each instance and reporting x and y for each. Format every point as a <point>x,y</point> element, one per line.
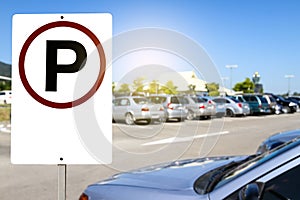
<point>277,140</point>
<point>287,105</point>
<point>257,103</point>
<point>296,100</point>
<point>271,175</point>
<point>274,106</point>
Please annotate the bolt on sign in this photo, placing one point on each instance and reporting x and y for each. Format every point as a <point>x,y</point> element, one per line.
<point>61,89</point>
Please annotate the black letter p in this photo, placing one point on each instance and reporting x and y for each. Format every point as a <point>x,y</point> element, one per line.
<point>52,68</point>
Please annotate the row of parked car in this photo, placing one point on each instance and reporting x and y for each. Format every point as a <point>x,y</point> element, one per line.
<point>160,108</point>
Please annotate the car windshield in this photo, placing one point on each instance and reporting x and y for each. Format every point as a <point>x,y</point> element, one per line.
<point>198,100</point>
<point>177,100</point>
<point>280,98</point>
<point>235,100</point>
<point>224,174</point>
<point>157,100</point>
<point>263,99</point>
<point>140,100</point>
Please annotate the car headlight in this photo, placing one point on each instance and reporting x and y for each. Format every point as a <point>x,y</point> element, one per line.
<point>292,104</point>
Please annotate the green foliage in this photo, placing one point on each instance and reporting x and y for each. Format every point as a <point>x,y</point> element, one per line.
<point>138,84</point>
<point>213,89</point>
<point>247,86</point>
<point>5,85</point>
<point>169,88</point>
<point>124,88</point>
<point>113,87</point>
<point>154,87</point>
<point>296,94</point>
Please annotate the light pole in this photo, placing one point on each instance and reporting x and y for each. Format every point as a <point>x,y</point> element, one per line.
<point>224,79</point>
<point>231,67</point>
<point>289,77</point>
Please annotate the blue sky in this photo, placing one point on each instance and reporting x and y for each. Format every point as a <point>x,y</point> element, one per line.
<point>256,35</point>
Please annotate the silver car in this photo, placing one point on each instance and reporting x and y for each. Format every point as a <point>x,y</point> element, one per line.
<point>201,108</point>
<point>269,176</point>
<point>219,108</point>
<point>172,104</point>
<point>134,108</point>
<point>233,107</point>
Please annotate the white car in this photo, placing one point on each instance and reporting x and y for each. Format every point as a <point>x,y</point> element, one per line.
<point>5,97</point>
<point>132,109</point>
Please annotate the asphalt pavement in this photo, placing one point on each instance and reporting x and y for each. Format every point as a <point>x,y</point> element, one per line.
<point>139,145</point>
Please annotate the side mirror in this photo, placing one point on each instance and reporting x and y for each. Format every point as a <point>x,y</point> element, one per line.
<point>250,192</point>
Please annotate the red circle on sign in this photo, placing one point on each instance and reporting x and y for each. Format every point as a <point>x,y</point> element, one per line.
<point>82,99</point>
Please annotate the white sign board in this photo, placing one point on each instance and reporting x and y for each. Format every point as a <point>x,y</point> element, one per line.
<point>61,84</point>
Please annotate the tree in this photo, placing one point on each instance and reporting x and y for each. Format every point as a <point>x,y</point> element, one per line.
<point>154,87</point>
<point>169,88</point>
<point>213,89</point>
<point>5,85</point>
<point>124,88</point>
<point>138,84</point>
<point>113,87</point>
<point>247,86</point>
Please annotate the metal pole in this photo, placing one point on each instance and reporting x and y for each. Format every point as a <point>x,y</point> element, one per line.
<point>231,67</point>
<point>289,82</point>
<point>62,181</point>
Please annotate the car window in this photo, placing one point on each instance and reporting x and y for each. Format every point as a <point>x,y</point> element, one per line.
<point>247,98</point>
<point>157,100</point>
<point>235,100</point>
<point>140,100</point>
<point>285,186</point>
<point>175,100</point>
<point>272,99</point>
<point>263,99</point>
<point>198,100</point>
<point>253,98</point>
<point>218,100</point>
<point>124,102</point>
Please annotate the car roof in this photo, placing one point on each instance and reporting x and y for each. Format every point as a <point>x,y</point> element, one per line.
<point>278,139</point>
<point>284,136</point>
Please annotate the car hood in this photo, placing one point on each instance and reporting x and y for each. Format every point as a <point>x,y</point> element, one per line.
<point>179,175</point>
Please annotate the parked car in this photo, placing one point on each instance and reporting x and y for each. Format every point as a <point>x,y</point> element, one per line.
<point>172,104</point>
<point>257,103</point>
<point>276,140</point>
<point>132,109</point>
<point>220,108</point>
<point>296,100</point>
<point>269,176</point>
<point>233,107</point>
<point>199,108</point>
<point>287,105</point>
<point>275,108</point>
<point>5,97</point>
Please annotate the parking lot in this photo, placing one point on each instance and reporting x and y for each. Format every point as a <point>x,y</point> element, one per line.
<point>139,145</point>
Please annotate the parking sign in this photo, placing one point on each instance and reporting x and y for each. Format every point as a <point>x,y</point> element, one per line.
<point>60,64</point>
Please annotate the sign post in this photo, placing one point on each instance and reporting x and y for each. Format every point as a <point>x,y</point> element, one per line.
<point>59,66</point>
<point>62,182</point>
